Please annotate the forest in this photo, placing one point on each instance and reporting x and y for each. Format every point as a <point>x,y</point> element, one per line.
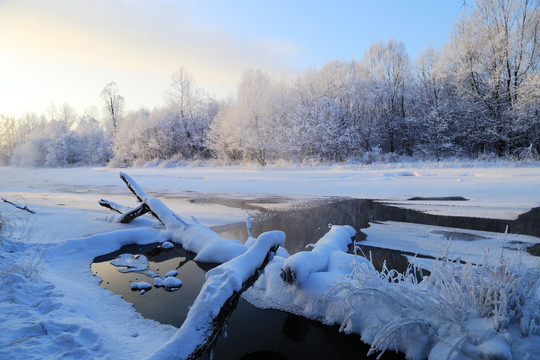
<point>477,96</point>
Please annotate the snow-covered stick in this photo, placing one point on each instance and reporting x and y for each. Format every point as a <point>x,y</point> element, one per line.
<point>218,298</point>
<point>25,208</point>
<point>113,206</point>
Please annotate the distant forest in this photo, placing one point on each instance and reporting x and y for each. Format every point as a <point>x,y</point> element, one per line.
<point>479,95</point>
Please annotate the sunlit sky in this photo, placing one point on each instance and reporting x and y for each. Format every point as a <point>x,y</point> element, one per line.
<point>66,51</point>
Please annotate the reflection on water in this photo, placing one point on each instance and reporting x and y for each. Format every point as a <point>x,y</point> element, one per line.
<point>270,334</point>
<point>307,225</point>
<point>167,307</point>
<point>251,333</point>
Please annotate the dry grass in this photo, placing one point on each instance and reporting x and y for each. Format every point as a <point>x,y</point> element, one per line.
<point>386,307</point>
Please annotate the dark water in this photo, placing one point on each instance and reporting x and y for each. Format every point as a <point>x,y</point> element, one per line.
<point>251,333</point>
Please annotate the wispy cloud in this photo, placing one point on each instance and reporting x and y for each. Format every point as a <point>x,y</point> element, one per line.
<point>134,36</point>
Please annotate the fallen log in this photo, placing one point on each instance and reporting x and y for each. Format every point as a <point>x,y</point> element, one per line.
<point>240,268</point>
<point>218,298</point>
<point>190,234</point>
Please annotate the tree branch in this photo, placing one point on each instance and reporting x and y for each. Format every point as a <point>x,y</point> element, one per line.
<point>25,208</point>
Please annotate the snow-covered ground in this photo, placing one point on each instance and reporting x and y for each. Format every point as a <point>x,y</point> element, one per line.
<point>52,306</point>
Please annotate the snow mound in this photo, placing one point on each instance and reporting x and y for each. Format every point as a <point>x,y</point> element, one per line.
<point>167,245</point>
<point>143,285</point>
<point>171,273</point>
<point>297,267</point>
<point>172,283</point>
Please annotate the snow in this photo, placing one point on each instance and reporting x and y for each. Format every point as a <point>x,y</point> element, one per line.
<point>143,285</point>
<point>297,267</point>
<point>167,245</point>
<point>172,283</point>
<point>52,306</point>
<point>132,263</point>
<point>171,273</point>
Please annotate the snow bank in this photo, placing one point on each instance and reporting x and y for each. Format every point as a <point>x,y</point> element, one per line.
<point>297,267</point>
<point>69,315</point>
<point>221,283</point>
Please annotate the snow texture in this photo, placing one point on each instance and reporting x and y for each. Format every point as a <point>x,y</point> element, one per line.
<point>171,273</point>
<point>52,306</point>
<point>167,245</point>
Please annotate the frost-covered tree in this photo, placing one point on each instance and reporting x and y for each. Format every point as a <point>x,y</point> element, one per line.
<point>435,107</point>
<point>9,137</point>
<point>495,50</point>
<point>94,144</point>
<point>113,103</point>
<point>189,113</point>
<point>258,125</point>
<point>387,65</point>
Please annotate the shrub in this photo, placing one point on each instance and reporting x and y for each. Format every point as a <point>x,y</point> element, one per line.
<point>394,311</point>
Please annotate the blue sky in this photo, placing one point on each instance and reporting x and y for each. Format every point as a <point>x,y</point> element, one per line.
<point>56,51</point>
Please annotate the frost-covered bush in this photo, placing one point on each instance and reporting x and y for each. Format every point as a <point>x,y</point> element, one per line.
<point>459,311</point>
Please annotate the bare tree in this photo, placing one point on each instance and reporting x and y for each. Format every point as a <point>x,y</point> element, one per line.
<point>182,92</point>
<point>114,103</point>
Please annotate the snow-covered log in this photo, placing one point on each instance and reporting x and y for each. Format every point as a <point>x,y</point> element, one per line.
<point>298,266</point>
<point>191,235</point>
<point>217,299</point>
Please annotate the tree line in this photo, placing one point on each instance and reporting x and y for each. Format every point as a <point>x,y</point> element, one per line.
<point>479,94</point>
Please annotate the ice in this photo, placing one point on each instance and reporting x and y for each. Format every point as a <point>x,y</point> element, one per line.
<point>133,263</point>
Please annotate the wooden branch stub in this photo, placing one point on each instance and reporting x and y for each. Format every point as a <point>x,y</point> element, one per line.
<point>25,208</point>
<point>113,206</point>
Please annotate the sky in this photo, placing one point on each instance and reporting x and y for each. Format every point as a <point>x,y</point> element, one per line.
<point>66,51</point>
